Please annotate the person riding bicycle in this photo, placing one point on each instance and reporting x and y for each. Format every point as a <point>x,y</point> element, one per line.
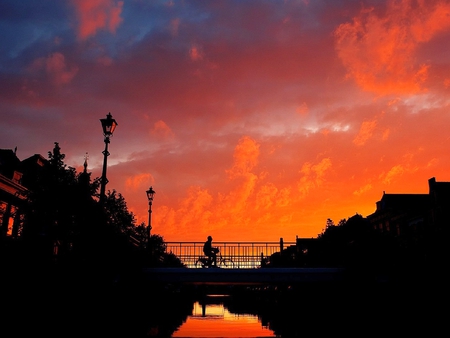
<point>210,252</point>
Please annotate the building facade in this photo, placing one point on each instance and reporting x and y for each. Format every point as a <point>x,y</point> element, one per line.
<point>16,177</point>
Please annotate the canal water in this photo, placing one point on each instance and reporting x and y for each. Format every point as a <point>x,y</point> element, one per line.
<point>352,310</point>
<point>356,310</point>
<point>211,318</point>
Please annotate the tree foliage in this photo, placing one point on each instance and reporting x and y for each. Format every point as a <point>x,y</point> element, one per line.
<point>65,223</point>
<point>351,244</point>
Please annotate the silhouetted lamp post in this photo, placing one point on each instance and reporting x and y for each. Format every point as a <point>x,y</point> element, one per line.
<point>150,194</point>
<point>108,125</point>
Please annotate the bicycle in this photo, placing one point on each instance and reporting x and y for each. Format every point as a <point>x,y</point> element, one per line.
<point>206,262</point>
<point>225,261</point>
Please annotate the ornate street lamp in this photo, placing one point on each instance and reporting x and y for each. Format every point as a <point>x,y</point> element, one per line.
<point>108,125</point>
<point>150,194</point>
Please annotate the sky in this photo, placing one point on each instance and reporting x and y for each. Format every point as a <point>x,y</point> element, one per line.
<point>252,120</point>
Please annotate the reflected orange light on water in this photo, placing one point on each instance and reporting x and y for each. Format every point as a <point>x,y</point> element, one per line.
<point>214,320</point>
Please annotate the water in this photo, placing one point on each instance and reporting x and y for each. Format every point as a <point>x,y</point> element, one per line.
<point>356,310</point>
<point>210,318</point>
<point>353,310</point>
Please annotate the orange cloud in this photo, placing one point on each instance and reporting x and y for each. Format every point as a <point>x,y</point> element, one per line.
<point>195,207</point>
<point>313,175</point>
<point>378,51</point>
<point>266,196</point>
<point>245,156</point>
<point>400,169</point>
<point>363,190</point>
<point>94,15</point>
<point>193,211</point>
<point>162,129</point>
<point>136,183</point>
<point>447,83</point>
<point>241,206</point>
<point>432,163</point>
<point>394,172</point>
<point>365,132</point>
<point>302,109</point>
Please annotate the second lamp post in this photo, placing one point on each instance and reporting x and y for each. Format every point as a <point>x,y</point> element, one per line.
<point>150,194</point>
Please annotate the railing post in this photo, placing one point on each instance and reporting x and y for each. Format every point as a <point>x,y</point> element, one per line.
<point>252,253</point>
<point>281,244</point>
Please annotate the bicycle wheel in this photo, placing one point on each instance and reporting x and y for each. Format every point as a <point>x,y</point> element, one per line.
<point>228,262</point>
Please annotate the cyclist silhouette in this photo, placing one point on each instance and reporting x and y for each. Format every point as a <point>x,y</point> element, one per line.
<point>210,252</point>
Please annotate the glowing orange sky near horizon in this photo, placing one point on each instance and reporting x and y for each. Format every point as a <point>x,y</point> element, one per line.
<point>252,121</point>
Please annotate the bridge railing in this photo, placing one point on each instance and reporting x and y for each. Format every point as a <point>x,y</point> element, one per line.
<point>238,255</point>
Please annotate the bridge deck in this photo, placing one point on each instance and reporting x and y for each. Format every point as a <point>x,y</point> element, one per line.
<point>242,276</point>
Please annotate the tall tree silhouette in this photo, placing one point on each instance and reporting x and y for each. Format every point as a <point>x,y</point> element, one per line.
<point>49,225</point>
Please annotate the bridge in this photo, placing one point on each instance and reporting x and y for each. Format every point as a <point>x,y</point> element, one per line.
<point>265,276</point>
<point>239,263</point>
<point>232,255</point>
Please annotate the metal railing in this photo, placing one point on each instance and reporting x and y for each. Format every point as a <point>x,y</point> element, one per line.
<point>238,255</point>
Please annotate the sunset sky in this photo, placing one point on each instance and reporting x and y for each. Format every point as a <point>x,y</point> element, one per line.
<point>252,120</point>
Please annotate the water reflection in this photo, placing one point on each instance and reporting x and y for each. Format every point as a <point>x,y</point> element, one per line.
<point>351,309</point>
<point>211,318</point>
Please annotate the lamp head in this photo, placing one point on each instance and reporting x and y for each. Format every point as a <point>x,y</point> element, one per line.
<point>108,125</point>
<point>150,193</point>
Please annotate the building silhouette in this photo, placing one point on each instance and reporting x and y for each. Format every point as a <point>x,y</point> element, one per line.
<point>413,216</point>
<point>13,195</point>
